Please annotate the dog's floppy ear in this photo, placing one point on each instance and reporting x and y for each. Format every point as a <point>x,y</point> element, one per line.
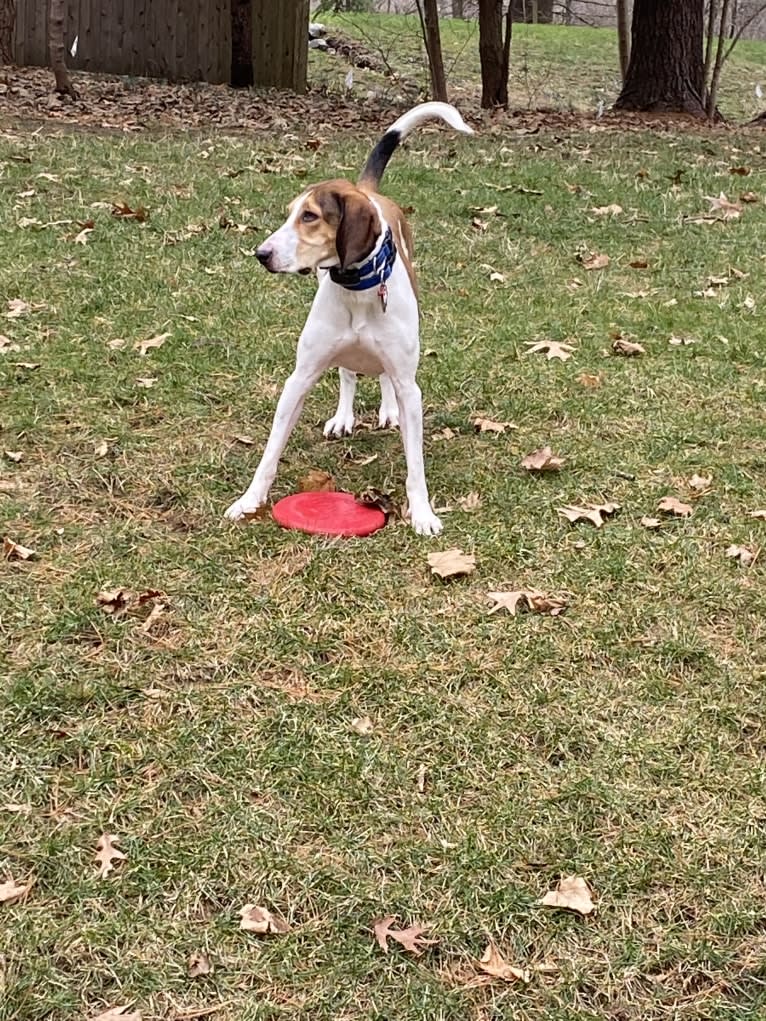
<point>358,228</point>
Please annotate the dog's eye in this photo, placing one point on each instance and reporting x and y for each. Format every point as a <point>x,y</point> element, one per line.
<point>309,217</point>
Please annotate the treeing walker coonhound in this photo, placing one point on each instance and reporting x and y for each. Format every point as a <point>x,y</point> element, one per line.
<point>364,317</point>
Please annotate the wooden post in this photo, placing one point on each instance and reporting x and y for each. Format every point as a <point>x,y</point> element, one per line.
<point>280,44</point>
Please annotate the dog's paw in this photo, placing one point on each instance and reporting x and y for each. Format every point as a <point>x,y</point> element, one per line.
<point>339,425</point>
<point>388,418</point>
<point>426,523</point>
<point>241,509</point>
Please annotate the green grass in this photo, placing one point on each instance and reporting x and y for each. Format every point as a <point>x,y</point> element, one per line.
<point>622,741</point>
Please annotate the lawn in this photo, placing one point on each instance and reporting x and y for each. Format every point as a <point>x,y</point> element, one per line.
<point>621,741</point>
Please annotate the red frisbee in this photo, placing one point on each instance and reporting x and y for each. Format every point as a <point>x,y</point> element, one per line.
<point>327,514</point>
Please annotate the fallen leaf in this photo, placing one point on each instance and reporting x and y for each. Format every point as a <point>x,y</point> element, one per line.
<point>82,237</point>
<point>553,349</point>
<point>542,460</point>
<point>17,308</point>
<point>749,303</point>
<point>492,963</point>
<point>497,278</point>
<point>143,346</point>
<point>15,551</point>
<point>479,225</point>
<point>536,602</point>
<point>199,964</point>
<point>671,505</point>
<point>721,204</point>
<point>758,514</point>
<point>11,891</point>
<point>157,610</point>
<point>106,853</point>
<point>15,455</point>
<point>681,341</point>
<point>451,562</point>
<point>742,554</point>
<point>118,601</point>
<point>119,1014</point>
<point>699,483</point>
<point>116,344</point>
<point>571,893</point>
<point>316,481</point>
<point>593,512</point>
<point>7,346</point>
<point>445,434</point>
<point>650,522</point>
<point>627,347</point>
<point>471,502</point>
<point>740,171</point>
<point>146,382</point>
<point>596,260</point>
<point>486,425</point>
<point>420,783</point>
<point>638,264</point>
<point>590,380</point>
<point>611,210</point>
<point>124,212</point>
<point>748,196</point>
<point>261,921</point>
<point>363,726</point>
<point>373,497</point>
<point>411,938</point>
<point>101,449</point>
<point>244,439</point>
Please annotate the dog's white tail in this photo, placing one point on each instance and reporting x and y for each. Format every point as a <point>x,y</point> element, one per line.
<point>384,150</point>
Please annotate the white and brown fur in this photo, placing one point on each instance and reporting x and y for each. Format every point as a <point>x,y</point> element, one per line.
<point>337,223</point>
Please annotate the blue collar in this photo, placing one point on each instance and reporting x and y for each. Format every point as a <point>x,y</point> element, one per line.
<point>372,273</point>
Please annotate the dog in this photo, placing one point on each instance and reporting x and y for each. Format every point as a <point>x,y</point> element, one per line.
<point>364,317</point>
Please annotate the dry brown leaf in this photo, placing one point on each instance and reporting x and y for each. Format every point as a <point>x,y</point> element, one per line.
<point>572,893</point>
<point>740,171</point>
<point>7,346</point>
<point>650,522</point>
<point>244,439</point>
<point>627,347</point>
<point>124,212</point>
<point>15,455</point>
<point>471,502</point>
<point>492,963</point>
<point>143,346</point>
<point>542,460</point>
<point>118,601</point>
<point>721,204</point>
<point>411,938</point>
<point>758,514</point>
<point>363,726</point>
<point>553,349</point>
<point>699,483</point>
<point>199,964</point>
<point>671,505</point>
<point>451,562</point>
<point>497,278</point>
<point>593,512</point>
<point>479,225</point>
<point>317,481</point>
<point>748,196</point>
<point>681,341</point>
<point>590,380</point>
<point>15,551</point>
<point>261,921</point>
<point>638,264</point>
<point>536,602</point>
<point>743,555</point>
<point>17,308</point>
<point>106,853</point>
<point>146,382</point>
<point>611,210</point>
<point>11,891</point>
<point>596,260</point>
<point>119,1014</point>
<point>445,434</point>
<point>487,425</point>
<point>82,237</point>
<point>116,344</point>
<point>101,449</point>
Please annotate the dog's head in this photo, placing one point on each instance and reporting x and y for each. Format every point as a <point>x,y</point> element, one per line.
<point>329,224</point>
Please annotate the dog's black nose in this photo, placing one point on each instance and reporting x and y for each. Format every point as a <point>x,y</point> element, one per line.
<point>263,255</point>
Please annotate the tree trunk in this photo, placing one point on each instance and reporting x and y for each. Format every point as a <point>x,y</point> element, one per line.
<point>57,47</point>
<point>457,9</point>
<point>280,43</point>
<point>494,52</point>
<point>429,23</point>
<point>666,72</point>
<point>241,43</point>
<point>715,78</point>
<point>7,24</point>
<point>623,36</point>
<point>533,11</point>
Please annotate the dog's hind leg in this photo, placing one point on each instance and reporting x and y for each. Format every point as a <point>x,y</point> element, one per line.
<point>342,422</point>
<point>388,416</point>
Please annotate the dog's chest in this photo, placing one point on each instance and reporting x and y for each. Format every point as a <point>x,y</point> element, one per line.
<point>358,348</point>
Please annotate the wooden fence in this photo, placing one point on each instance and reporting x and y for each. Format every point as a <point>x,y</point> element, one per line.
<point>182,40</point>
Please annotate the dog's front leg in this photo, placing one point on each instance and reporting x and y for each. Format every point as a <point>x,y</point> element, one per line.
<point>287,414</point>
<point>408,397</point>
<point>342,422</point>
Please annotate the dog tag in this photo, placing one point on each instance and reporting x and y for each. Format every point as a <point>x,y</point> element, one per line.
<point>383,295</point>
